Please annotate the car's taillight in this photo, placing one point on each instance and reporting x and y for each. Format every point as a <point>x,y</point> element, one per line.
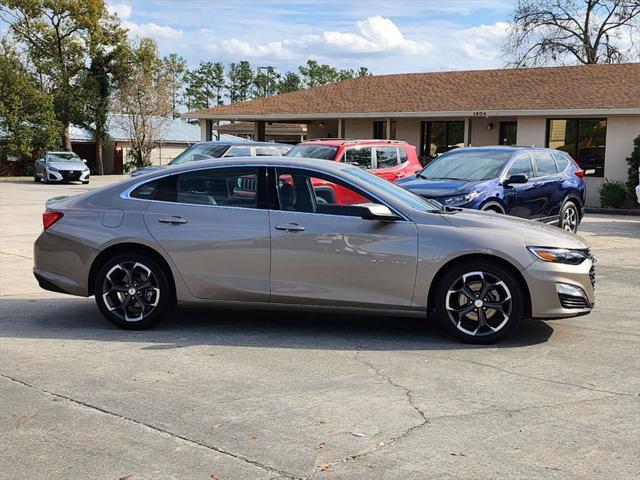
<point>579,173</point>
<point>49,217</point>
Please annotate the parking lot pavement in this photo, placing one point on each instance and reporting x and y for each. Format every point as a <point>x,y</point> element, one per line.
<point>237,395</point>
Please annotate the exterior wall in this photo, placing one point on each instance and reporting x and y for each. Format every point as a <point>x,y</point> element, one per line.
<point>532,131</point>
<point>359,128</point>
<point>159,156</point>
<point>322,129</point>
<point>408,129</point>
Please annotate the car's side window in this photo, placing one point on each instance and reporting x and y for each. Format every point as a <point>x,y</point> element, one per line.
<point>403,154</point>
<point>521,166</point>
<point>561,162</point>
<point>359,156</point>
<point>544,164</point>
<point>267,152</point>
<point>228,187</point>
<point>386,157</point>
<point>238,151</point>
<point>301,191</point>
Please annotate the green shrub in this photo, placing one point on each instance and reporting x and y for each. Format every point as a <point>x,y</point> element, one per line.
<point>612,194</point>
<point>634,164</point>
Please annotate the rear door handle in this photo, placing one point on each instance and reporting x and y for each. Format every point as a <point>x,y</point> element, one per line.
<point>173,220</point>
<point>290,227</point>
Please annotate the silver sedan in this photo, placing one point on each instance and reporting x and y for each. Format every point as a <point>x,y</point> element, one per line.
<point>288,233</point>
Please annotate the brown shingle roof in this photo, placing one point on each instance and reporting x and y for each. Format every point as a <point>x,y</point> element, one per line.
<point>553,88</point>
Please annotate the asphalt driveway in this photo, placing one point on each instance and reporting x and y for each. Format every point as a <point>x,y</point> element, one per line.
<point>236,395</point>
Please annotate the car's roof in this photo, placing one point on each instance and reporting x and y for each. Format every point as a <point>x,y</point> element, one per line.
<point>275,161</point>
<point>336,142</point>
<point>248,143</point>
<point>500,148</point>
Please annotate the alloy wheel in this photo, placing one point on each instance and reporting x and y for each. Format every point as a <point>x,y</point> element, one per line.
<point>130,291</point>
<point>570,219</point>
<point>478,303</point>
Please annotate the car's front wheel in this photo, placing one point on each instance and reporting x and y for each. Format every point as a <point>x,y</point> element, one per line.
<point>569,217</point>
<point>133,291</point>
<point>479,302</point>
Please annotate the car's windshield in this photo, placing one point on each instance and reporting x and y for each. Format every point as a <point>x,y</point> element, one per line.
<point>467,165</point>
<point>63,157</point>
<point>200,151</point>
<point>323,152</point>
<point>405,196</point>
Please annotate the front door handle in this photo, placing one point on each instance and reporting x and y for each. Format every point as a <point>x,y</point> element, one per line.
<point>290,227</point>
<point>173,220</point>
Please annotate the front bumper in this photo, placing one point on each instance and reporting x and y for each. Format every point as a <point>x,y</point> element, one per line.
<point>555,288</point>
<point>68,175</point>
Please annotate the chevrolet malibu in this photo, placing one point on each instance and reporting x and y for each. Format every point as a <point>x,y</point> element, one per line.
<point>253,232</point>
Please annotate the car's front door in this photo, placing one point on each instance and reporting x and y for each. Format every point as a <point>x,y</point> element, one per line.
<point>324,253</point>
<point>523,199</point>
<point>211,225</point>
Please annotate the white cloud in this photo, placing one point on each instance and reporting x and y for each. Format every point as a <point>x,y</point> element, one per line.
<point>123,10</point>
<point>152,30</point>
<point>484,42</point>
<point>372,36</point>
<point>375,34</point>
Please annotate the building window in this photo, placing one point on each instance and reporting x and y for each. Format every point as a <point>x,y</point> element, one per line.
<point>582,138</point>
<point>438,137</point>
<point>508,133</point>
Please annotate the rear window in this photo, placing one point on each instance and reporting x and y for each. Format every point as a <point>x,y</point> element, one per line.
<point>544,164</point>
<point>323,152</point>
<point>147,191</point>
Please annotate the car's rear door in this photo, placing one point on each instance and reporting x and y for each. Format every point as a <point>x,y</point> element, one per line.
<point>324,253</point>
<point>523,200</point>
<point>210,222</point>
<point>548,182</point>
<point>387,163</point>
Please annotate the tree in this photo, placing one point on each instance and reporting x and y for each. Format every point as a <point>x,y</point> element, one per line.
<point>143,102</point>
<point>175,67</point>
<point>290,82</point>
<point>56,34</point>
<point>109,57</point>
<point>205,86</point>
<point>634,166</point>
<point>313,74</point>
<point>265,82</point>
<point>569,31</point>
<point>27,117</point>
<point>240,80</point>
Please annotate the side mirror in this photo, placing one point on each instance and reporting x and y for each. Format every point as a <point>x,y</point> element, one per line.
<point>514,179</point>
<point>375,211</point>
<point>84,160</point>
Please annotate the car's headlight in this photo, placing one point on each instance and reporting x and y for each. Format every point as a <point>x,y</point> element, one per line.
<point>560,255</point>
<point>459,199</point>
<point>53,169</point>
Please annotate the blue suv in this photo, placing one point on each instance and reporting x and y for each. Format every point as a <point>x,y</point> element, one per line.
<point>529,182</point>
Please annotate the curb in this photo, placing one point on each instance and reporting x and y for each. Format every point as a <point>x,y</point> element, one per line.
<point>93,177</point>
<point>614,211</point>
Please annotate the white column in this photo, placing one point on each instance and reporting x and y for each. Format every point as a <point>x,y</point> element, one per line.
<point>388,129</point>
<point>467,131</point>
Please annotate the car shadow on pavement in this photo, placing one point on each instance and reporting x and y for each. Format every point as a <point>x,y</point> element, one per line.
<point>79,319</point>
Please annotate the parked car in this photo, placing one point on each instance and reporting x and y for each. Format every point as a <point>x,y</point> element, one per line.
<point>61,167</point>
<point>534,183</point>
<point>217,149</point>
<point>250,232</point>
<point>388,159</point>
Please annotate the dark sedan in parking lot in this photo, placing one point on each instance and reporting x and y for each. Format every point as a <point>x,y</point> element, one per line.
<point>529,182</point>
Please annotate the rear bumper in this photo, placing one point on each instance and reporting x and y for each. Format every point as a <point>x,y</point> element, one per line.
<point>548,285</point>
<point>62,265</point>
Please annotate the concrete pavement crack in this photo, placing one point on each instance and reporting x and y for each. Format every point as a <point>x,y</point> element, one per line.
<point>16,255</point>
<point>542,379</point>
<point>222,451</point>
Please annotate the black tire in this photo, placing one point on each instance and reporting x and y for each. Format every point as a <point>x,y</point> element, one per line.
<point>35,177</point>
<point>139,304</point>
<point>86,183</point>
<point>499,322</point>
<point>569,218</point>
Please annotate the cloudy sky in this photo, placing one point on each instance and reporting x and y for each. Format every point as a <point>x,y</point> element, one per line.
<point>386,36</point>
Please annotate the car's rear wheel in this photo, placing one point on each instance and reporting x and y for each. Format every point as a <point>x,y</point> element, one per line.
<point>479,302</point>
<point>133,291</point>
<point>569,217</point>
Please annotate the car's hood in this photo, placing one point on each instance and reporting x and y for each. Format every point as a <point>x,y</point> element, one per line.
<point>145,170</point>
<point>532,233</point>
<point>67,165</point>
<point>439,188</point>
